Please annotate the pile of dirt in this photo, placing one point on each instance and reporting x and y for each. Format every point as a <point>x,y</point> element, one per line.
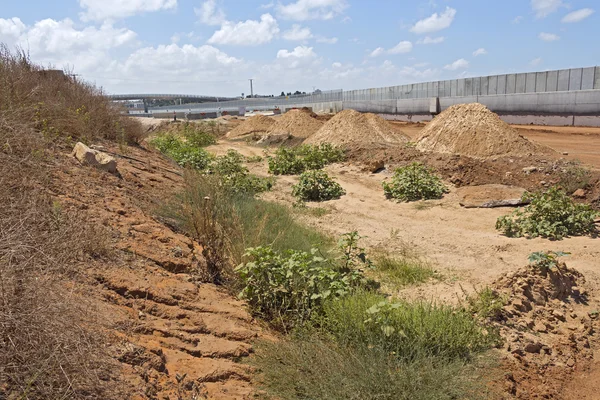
<point>548,326</point>
<point>350,128</point>
<point>295,123</point>
<point>256,125</point>
<point>473,130</point>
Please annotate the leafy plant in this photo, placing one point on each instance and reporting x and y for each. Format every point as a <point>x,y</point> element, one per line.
<point>196,136</point>
<point>181,152</point>
<point>551,214</point>
<point>316,185</point>
<point>236,177</point>
<point>486,303</point>
<point>286,289</point>
<point>546,260</point>
<point>293,161</point>
<point>254,159</point>
<point>414,182</point>
<point>353,256</point>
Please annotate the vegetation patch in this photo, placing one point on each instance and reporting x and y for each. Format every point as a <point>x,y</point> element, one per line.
<point>403,270</point>
<point>573,178</point>
<point>551,214</point>
<point>294,161</point>
<point>316,185</point>
<point>414,182</point>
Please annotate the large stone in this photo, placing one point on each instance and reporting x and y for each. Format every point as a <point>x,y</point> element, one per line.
<point>94,158</point>
<point>488,196</point>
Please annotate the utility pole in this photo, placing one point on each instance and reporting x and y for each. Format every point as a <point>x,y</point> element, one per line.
<point>251,89</point>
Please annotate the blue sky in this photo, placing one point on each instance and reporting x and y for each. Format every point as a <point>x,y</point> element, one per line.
<point>214,46</point>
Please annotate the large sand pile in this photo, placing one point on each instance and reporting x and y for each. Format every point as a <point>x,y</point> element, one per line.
<point>258,125</point>
<point>297,123</point>
<point>474,131</point>
<point>351,127</point>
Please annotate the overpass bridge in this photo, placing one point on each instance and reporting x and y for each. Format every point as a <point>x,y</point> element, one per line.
<point>163,96</point>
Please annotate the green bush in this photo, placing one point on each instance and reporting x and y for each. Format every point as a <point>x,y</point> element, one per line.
<point>181,152</point>
<point>196,136</point>
<point>236,176</point>
<point>316,185</point>
<point>551,214</point>
<point>311,368</point>
<point>486,303</point>
<point>546,260</point>
<point>286,289</point>
<point>414,182</point>
<point>574,177</point>
<point>294,161</point>
<point>407,330</point>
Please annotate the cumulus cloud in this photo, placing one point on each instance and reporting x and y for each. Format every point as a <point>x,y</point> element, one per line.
<point>535,62</point>
<point>403,47</point>
<point>577,16</point>
<point>377,52</point>
<point>100,10</point>
<point>11,29</point>
<point>297,33</point>
<point>461,63</point>
<point>301,55</point>
<point>302,10</point>
<point>323,39</point>
<point>435,22</point>
<point>429,40</point>
<point>517,19</point>
<point>543,8</point>
<point>548,37</point>
<point>247,33</point>
<point>479,52</point>
<point>210,14</point>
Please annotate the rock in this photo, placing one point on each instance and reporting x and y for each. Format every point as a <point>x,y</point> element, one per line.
<point>533,347</point>
<point>529,170</point>
<point>565,153</point>
<point>94,158</point>
<point>559,315</point>
<point>540,327</point>
<point>594,314</point>
<point>374,166</point>
<point>579,193</point>
<point>488,196</point>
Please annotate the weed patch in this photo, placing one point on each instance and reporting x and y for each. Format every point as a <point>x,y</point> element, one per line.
<point>294,161</point>
<point>574,177</point>
<point>551,214</point>
<point>316,185</point>
<point>414,182</point>
<point>403,270</point>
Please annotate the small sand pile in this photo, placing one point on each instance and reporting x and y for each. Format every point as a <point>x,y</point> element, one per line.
<point>474,131</point>
<point>258,125</point>
<point>296,123</point>
<point>351,127</point>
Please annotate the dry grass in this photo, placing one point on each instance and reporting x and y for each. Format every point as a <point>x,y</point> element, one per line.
<point>49,348</point>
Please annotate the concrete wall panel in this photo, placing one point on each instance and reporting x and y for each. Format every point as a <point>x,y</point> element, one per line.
<point>540,82</point>
<point>418,106</point>
<point>530,83</point>
<point>476,86</point>
<point>501,84</point>
<point>552,81</point>
<point>597,78</point>
<point>483,85</point>
<point>575,79</point>
<point>511,83</point>
<point>521,83</point>
<point>373,106</point>
<point>436,92</point>
<point>563,80</point>
<point>492,85</point>
<point>587,78</point>
<point>469,87</point>
<point>447,88</point>
<point>450,101</point>
<point>453,86</point>
<point>460,87</point>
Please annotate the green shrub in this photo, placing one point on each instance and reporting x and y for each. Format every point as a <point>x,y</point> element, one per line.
<point>311,368</point>
<point>236,176</point>
<point>403,270</point>
<point>414,182</point>
<point>407,330</point>
<point>552,214</point>
<point>181,152</point>
<point>574,177</point>
<point>254,159</point>
<point>286,289</point>
<point>486,303</point>
<point>294,161</point>
<point>196,136</point>
<point>546,260</point>
<point>316,185</point>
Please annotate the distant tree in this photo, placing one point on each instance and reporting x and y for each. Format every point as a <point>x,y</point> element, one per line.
<point>289,93</point>
<point>297,92</point>
<point>282,94</point>
<point>303,92</point>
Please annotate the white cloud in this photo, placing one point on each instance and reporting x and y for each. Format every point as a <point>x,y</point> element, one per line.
<point>543,8</point>
<point>436,22</point>
<point>100,10</point>
<point>301,55</point>
<point>429,40</point>
<point>297,33</point>
<point>548,37</point>
<point>458,64</point>
<point>403,47</point>
<point>336,65</point>
<point>479,52</point>
<point>247,33</point>
<point>577,16</point>
<point>267,5</point>
<point>421,65</point>
<point>536,61</point>
<point>323,39</point>
<point>210,14</point>
<point>377,52</point>
<point>303,10</point>
<point>11,30</point>
<point>517,19</point>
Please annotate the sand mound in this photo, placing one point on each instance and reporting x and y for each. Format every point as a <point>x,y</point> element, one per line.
<point>296,123</point>
<point>474,131</point>
<point>258,124</point>
<point>351,127</point>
